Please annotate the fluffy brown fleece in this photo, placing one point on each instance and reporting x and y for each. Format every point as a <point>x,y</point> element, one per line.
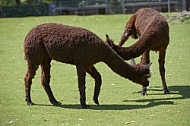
<point>153,32</point>
<point>77,46</point>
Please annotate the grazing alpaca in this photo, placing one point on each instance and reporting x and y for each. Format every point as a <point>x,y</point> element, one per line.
<point>75,46</point>
<point>153,32</point>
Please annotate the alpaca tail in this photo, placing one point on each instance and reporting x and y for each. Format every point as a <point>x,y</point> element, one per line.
<point>33,49</point>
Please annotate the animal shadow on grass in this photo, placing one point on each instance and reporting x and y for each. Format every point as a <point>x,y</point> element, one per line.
<point>183,91</point>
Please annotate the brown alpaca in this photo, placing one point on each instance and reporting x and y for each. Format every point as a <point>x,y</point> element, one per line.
<point>153,32</point>
<point>75,46</point>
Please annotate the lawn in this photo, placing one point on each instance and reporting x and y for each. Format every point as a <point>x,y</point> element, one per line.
<point>120,100</point>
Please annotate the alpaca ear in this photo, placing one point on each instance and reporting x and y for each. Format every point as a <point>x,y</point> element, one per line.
<point>107,37</point>
<point>124,37</point>
<point>135,36</point>
<point>126,33</point>
<point>109,41</point>
<point>147,66</point>
<point>133,63</point>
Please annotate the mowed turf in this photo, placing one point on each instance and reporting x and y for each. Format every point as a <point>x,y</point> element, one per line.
<point>120,100</point>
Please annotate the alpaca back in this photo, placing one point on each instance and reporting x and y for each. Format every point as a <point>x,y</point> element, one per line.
<point>152,26</point>
<point>65,44</point>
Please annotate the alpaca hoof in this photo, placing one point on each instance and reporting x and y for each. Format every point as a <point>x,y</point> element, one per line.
<point>56,103</point>
<point>167,92</point>
<point>96,101</point>
<point>144,93</point>
<point>30,103</point>
<point>85,106</point>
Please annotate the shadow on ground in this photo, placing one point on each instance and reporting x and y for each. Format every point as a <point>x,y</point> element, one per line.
<point>183,91</point>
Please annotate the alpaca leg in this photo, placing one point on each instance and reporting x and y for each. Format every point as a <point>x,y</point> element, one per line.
<point>45,80</point>
<point>145,59</point>
<point>98,82</point>
<point>81,85</point>
<point>161,62</point>
<point>28,81</point>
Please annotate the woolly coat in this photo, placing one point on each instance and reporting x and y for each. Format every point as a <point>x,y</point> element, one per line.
<point>77,46</point>
<point>151,28</point>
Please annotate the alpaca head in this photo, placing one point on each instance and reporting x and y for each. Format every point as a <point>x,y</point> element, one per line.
<point>144,70</point>
<point>130,31</point>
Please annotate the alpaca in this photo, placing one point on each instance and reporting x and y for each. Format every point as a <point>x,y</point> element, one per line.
<point>153,32</point>
<point>76,46</point>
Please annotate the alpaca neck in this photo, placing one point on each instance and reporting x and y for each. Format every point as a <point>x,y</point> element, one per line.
<point>132,51</point>
<point>119,66</point>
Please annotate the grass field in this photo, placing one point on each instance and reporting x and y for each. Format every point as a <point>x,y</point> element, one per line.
<point>120,100</point>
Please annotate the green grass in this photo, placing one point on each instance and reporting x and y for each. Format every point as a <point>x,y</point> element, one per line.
<point>120,100</point>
